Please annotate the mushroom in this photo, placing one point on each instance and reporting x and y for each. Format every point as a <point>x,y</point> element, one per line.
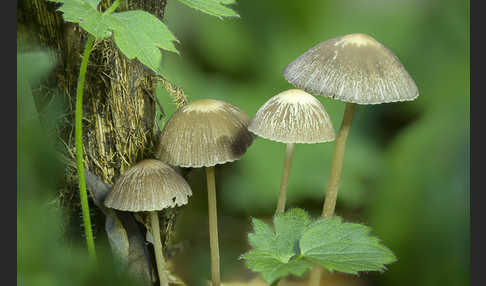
<point>292,116</point>
<point>150,186</point>
<point>204,133</point>
<point>356,69</point>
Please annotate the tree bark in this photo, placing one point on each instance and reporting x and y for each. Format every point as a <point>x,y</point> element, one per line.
<point>118,109</point>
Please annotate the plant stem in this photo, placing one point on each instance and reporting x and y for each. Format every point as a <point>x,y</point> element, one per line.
<point>159,256</point>
<point>78,134</point>
<point>282,197</point>
<point>79,147</point>
<point>213,227</point>
<point>112,7</point>
<point>337,161</point>
<point>333,185</point>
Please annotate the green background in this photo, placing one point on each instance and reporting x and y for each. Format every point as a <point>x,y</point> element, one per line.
<point>406,166</point>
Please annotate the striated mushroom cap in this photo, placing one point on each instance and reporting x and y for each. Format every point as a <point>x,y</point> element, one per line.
<point>204,133</point>
<point>293,116</point>
<point>352,68</point>
<point>150,185</point>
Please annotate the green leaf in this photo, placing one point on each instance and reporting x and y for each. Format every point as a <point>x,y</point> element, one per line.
<point>271,267</point>
<point>212,7</point>
<point>139,34</point>
<point>93,3</point>
<point>288,230</point>
<point>345,247</point>
<point>262,237</point>
<point>274,253</point>
<point>85,14</point>
<point>283,242</point>
<point>296,242</point>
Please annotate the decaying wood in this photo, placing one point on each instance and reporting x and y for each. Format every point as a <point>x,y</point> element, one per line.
<point>118,110</point>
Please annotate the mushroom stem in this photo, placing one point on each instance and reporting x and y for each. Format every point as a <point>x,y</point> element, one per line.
<point>213,227</point>
<point>315,276</point>
<point>337,161</point>
<point>282,197</point>
<point>333,185</point>
<point>159,256</point>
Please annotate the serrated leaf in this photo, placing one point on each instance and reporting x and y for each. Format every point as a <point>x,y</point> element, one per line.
<point>344,247</point>
<point>274,253</point>
<point>212,7</point>
<point>260,237</point>
<point>283,241</point>
<point>288,230</point>
<point>85,14</point>
<point>271,268</point>
<point>139,34</point>
<point>296,242</point>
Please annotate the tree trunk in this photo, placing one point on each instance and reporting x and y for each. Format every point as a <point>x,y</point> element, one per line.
<point>118,110</point>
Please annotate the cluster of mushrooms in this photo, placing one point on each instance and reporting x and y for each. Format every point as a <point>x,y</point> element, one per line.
<point>354,68</point>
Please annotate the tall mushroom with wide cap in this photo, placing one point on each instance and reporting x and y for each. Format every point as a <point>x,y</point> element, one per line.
<point>150,186</point>
<point>292,116</point>
<point>356,69</point>
<point>205,133</point>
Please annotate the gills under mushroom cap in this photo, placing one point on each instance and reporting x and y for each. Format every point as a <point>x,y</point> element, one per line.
<point>352,68</point>
<point>150,185</point>
<point>204,133</point>
<point>293,116</point>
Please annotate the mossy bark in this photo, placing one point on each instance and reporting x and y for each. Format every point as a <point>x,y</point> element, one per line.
<point>118,110</point>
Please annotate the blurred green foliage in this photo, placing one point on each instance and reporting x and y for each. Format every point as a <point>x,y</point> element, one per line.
<point>406,167</point>
<point>45,257</point>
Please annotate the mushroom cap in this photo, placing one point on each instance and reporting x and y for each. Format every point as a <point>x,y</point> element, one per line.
<point>149,185</point>
<point>293,116</point>
<point>352,68</point>
<point>204,133</point>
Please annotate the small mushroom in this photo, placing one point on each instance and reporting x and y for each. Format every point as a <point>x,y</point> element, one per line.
<point>150,186</point>
<point>204,133</point>
<point>356,69</point>
<point>292,116</point>
<point>353,68</point>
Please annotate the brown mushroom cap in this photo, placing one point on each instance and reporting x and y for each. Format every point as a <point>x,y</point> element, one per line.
<point>293,116</point>
<point>352,68</point>
<point>150,185</point>
<point>204,133</point>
